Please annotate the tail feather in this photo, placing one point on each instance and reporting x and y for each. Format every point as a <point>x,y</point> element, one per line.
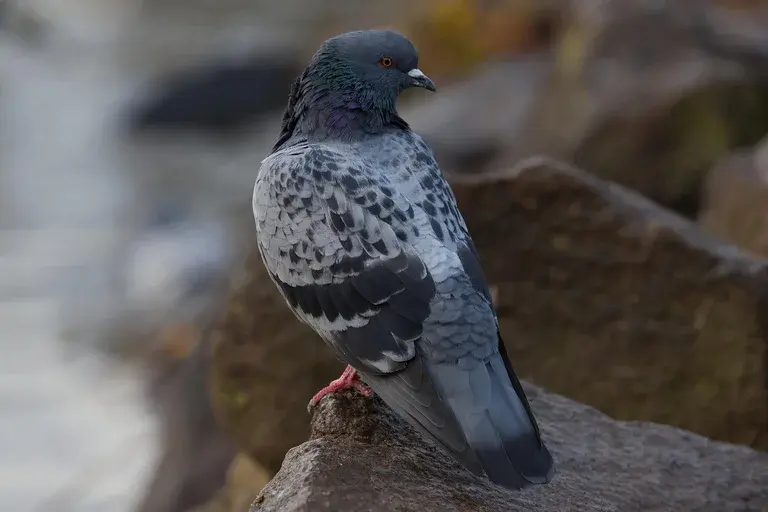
<point>510,414</point>
<point>412,394</point>
<point>480,415</point>
<point>496,422</point>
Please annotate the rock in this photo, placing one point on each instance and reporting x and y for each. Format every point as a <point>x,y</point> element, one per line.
<point>666,152</point>
<point>735,200</point>
<point>602,296</point>
<point>620,304</point>
<point>217,97</point>
<point>363,457</point>
<point>611,300</point>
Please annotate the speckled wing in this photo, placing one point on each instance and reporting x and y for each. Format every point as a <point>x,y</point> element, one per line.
<point>341,248</point>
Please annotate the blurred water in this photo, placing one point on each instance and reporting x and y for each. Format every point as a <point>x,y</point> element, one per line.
<point>75,433</point>
<point>75,198</point>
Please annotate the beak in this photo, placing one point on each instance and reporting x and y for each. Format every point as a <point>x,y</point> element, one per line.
<point>419,79</point>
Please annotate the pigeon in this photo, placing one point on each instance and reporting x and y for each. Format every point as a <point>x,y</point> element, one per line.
<point>362,235</point>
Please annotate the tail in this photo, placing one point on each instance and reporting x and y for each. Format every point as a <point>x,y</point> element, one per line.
<point>491,407</point>
<point>481,416</point>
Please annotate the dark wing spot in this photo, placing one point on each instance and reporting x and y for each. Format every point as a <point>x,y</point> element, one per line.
<point>423,158</point>
<point>326,303</point>
<point>337,222</point>
<point>381,247</point>
<point>436,228</point>
<point>348,218</point>
<point>400,215</point>
<point>350,184</point>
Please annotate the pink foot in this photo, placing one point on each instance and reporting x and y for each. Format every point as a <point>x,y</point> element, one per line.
<point>349,379</point>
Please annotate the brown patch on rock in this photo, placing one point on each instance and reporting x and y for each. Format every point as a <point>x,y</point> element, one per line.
<point>602,465</point>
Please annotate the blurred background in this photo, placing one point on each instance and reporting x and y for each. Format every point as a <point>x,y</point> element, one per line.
<point>130,136</point>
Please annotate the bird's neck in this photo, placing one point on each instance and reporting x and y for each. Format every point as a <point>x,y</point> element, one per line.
<point>335,118</point>
<point>320,113</point>
<point>334,115</point>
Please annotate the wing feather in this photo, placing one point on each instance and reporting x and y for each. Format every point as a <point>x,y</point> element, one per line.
<point>367,292</point>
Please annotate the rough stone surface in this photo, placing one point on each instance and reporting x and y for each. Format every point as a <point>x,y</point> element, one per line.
<point>603,297</point>
<point>362,457</point>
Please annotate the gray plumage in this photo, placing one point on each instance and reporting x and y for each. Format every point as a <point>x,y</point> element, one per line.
<point>361,232</point>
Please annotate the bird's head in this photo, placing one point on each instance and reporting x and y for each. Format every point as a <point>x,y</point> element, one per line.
<point>370,67</point>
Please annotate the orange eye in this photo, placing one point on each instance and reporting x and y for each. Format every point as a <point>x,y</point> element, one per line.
<point>386,62</point>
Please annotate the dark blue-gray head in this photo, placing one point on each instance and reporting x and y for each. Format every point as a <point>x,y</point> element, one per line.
<point>369,61</point>
<point>352,84</point>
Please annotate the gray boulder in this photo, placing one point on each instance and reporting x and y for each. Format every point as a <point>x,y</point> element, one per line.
<point>361,457</point>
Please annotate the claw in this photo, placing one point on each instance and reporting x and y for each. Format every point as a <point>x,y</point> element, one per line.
<point>349,379</point>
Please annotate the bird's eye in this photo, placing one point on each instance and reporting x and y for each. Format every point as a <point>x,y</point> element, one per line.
<point>386,62</point>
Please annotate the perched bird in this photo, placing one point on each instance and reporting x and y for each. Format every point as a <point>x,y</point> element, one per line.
<point>362,234</point>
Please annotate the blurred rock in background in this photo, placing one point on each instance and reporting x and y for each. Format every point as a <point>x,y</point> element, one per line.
<point>225,97</point>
